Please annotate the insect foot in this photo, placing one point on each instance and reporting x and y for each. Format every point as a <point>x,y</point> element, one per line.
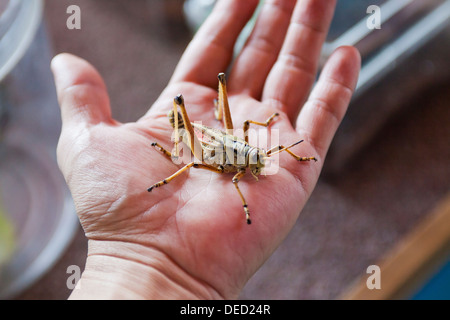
<point>247,214</point>
<point>307,159</point>
<point>156,185</point>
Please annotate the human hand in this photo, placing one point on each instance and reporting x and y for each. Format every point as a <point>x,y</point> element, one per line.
<point>188,239</point>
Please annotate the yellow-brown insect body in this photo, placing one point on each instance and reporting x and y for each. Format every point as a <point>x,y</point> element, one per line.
<point>219,150</point>
<point>223,151</point>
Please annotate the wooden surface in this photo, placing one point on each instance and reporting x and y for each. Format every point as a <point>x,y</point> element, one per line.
<point>412,260</point>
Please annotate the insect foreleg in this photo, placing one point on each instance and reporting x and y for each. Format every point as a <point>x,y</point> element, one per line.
<point>235,180</point>
<point>264,124</point>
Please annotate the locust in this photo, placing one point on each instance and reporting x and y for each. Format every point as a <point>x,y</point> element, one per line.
<point>219,150</point>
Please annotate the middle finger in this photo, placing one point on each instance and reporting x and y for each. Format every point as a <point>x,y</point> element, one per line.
<point>292,76</point>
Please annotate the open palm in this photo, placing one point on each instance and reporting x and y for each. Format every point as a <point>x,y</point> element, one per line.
<point>192,231</point>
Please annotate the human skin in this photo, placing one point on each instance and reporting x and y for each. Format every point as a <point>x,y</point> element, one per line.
<point>188,239</point>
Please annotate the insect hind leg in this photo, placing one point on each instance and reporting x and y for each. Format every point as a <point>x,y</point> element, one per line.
<point>222,108</point>
<point>186,167</point>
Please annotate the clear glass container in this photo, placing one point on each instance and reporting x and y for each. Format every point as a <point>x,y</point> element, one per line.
<point>33,194</point>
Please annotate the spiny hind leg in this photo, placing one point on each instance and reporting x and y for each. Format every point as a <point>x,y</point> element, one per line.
<point>264,124</point>
<point>217,110</point>
<point>235,180</point>
<point>222,108</point>
<point>175,118</point>
<point>186,167</point>
<point>193,143</point>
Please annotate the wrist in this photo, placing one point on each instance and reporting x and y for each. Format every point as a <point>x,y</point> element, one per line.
<point>118,270</point>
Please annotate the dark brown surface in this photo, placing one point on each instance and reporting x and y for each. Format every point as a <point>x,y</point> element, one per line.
<point>351,220</point>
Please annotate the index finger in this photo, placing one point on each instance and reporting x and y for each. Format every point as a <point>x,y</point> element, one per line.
<point>323,112</point>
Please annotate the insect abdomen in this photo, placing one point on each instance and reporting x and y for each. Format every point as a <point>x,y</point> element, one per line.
<point>171,116</point>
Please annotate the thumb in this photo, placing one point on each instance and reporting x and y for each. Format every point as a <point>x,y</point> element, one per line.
<point>81,92</point>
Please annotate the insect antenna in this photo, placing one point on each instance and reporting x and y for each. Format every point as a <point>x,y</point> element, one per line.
<point>270,153</point>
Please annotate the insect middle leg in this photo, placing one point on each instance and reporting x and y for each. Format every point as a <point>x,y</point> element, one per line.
<point>235,180</point>
<point>186,167</point>
<point>264,124</point>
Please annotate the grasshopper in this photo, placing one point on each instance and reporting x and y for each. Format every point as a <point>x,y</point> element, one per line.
<point>217,150</point>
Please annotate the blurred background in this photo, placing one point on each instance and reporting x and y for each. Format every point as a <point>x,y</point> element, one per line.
<point>385,184</point>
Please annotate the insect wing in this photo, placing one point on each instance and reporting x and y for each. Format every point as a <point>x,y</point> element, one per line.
<point>208,136</point>
<point>212,141</point>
